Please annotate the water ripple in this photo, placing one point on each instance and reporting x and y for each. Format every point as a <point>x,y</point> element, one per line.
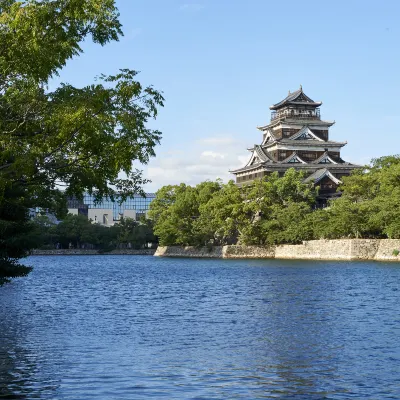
<point>137,327</point>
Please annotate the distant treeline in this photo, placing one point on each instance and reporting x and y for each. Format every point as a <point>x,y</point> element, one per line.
<point>76,231</point>
<point>279,210</point>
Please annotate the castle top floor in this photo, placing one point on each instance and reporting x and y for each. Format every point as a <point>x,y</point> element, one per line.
<point>296,105</point>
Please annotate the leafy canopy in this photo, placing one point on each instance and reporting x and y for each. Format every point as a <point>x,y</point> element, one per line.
<point>265,212</point>
<point>82,138</point>
<point>369,206</point>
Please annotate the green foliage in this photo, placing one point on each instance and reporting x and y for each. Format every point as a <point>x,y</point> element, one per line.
<point>175,210</point>
<point>221,217</point>
<point>135,234</point>
<point>83,137</point>
<point>16,235</point>
<point>369,206</point>
<point>396,252</point>
<point>277,207</point>
<point>279,210</point>
<point>77,231</point>
<point>266,212</point>
<point>41,36</point>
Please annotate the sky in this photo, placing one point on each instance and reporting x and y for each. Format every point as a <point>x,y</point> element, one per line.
<point>221,63</point>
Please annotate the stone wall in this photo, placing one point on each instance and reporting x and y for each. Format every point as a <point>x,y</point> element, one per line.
<point>343,249</point>
<point>248,252</point>
<point>386,248</point>
<point>189,251</point>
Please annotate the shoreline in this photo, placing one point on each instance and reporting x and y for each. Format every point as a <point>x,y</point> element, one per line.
<point>87,252</point>
<point>335,250</point>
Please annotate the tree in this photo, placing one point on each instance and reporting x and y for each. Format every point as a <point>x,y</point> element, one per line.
<point>135,233</point>
<point>78,231</point>
<point>175,210</point>
<point>15,235</point>
<point>268,211</point>
<point>82,138</point>
<point>45,231</point>
<point>276,208</point>
<point>75,230</point>
<point>222,217</point>
<point>369,206</point>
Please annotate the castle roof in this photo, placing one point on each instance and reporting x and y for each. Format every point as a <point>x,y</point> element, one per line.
<point>303,143</point>
<point>296,98</point>
<point>307,167</point>
<point>321,173</point>
<point>262,159</point>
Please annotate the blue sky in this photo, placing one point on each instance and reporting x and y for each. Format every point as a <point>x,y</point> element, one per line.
<point>222,63</point>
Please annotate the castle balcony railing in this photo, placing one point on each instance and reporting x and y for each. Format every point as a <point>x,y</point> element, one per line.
<point>314,114</point>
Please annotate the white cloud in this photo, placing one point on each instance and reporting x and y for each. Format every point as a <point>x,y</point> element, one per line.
<point>212,154</point>
<point>208,159</point>
<point>243,160</point>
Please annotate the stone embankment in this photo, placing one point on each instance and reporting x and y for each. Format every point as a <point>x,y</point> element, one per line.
<point>87,252</point>
<point>343,249</point>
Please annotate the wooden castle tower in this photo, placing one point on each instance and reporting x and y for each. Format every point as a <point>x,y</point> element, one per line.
<point>297,137</point>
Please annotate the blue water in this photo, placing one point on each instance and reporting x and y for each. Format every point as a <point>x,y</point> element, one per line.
<point>137,327</point>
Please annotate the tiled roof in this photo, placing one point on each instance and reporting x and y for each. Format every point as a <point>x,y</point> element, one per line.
<point>281,166</point>
<point>307,133</point>
<point>294,155</point>
<point>319,174</point>
<point>325,155</point>
<point>261,154</point>
<point>291,97</point>
<point>319,143</point>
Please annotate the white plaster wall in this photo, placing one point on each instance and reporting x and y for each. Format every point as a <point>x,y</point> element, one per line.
<point>99,212</point>
<point>296,146</point>
<point>73,211</point>
<point>130,214</point>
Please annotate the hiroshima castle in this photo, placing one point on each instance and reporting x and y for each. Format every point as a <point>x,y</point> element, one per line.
<point>298,138</point>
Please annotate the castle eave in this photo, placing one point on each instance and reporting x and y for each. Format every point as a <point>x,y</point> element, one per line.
<point>297,122</point>
<point>285,143</point>
<point>308,167</point>
<point>299,103</point>
<point>298,138</point>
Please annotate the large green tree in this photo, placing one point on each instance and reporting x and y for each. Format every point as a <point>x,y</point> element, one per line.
<point>222,217</point>
<point>176,209</point>
<point>276,208</point>
<point>369,206</point>
<point>82,138</point>
<point>135,234</point>
<point>268,211</point>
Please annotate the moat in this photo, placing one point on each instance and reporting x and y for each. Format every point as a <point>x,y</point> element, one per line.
<point>137,327</point>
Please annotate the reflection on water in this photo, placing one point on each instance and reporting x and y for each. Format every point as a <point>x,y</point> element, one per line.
<point>22,367</point>
<point>127,327</point>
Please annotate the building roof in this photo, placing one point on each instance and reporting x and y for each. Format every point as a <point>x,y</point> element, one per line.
<point>303,143</point>
<point>293,159</point>
<point>325,159</point>
<point>306,133</point>
<point>296,98</point>
<point>322,173</point>
<point>261,154</point>
<point>312,123</point>
<point>268,135</point>
<point>308,167</point>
